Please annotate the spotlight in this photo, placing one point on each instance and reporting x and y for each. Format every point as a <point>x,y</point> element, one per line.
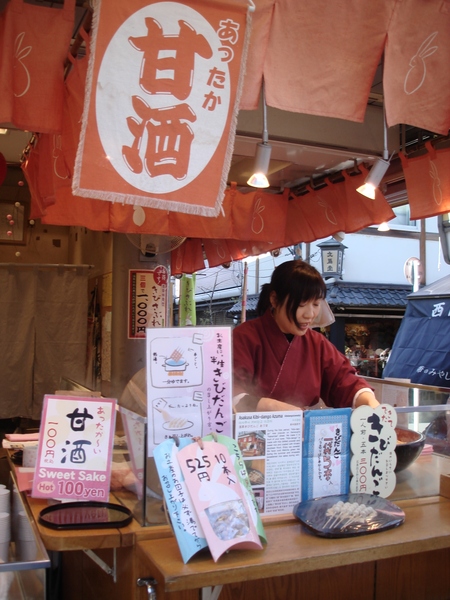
<point>374,178</point>
<point>263,152</point>
<point>384,227</point>
<point>262,159</point>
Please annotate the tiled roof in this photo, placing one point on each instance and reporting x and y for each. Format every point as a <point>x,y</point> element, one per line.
<point>367,295</point>
<point>344,294</point>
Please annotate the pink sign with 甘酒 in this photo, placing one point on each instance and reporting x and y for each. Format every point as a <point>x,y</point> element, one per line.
<point>75,448</point>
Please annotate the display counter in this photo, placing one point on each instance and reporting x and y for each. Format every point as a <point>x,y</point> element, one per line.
<point>400,563</point>
<point>408,562</point>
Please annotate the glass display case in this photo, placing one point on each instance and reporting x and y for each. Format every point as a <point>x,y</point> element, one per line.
<point>23,558</point>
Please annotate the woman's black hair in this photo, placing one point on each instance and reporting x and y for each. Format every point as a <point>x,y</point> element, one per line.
<point>296,280</point>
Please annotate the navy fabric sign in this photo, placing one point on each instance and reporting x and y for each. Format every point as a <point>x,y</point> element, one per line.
<point>421,349</point>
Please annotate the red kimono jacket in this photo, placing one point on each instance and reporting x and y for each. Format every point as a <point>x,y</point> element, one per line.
<point>300,372</point>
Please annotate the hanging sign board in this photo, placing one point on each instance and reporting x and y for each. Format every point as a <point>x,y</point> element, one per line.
<point>75,448</point>
<point>162,96</point>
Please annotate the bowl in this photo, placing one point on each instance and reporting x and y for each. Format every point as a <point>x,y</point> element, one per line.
<point>410,444</point>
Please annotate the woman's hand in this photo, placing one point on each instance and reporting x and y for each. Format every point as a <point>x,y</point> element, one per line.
<point>269,404</point>
<point>368,399</point>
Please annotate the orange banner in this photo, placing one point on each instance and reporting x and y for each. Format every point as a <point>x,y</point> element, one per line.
<point>161,103</point>
<point>427,180</point>
<point>34,41</point>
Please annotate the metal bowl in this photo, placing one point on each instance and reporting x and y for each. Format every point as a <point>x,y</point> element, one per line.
<point>410,444</point>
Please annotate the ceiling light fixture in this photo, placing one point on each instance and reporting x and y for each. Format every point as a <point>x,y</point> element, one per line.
<point>384,227</point>
<point>376,173</point>
<point>263,152</point>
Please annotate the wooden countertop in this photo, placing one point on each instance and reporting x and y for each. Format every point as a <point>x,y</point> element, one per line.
<point>417,491</point>
<point>292,549</point>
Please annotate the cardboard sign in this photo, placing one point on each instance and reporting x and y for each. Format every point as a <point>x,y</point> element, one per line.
<point>373,446</point>
<point>75,448</point>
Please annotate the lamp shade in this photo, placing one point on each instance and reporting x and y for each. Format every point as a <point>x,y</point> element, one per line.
<point>261,167</point>
<point>374,178</point>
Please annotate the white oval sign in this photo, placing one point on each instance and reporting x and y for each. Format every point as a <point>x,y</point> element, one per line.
<point>155,92</point>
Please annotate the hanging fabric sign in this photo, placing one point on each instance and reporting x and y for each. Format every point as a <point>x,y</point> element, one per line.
<point>34,41</point>
<point>161,103</point>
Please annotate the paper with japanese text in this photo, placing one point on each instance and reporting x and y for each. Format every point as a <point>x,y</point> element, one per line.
<point>239,465</point>
<point>218,497</point>
<point>189,383</point>
<point>161,103</point>
<point>373,447</point>
<point>75,448</point>
<point>326,453</point>
<point>271,446</point>
<point>181,513</point>
<point>147,300</point>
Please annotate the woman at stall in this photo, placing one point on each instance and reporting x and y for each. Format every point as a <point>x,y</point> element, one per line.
<point>280,362</point>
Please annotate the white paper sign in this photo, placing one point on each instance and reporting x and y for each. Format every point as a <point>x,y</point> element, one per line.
<point>373,446</point>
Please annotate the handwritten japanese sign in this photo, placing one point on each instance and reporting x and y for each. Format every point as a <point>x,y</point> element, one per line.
<point>182,514</point>
<point>326,453</point>
<point>148,300</point>
<point>161,99</point>
<point>189,382</point>
<point>373,444</point>
<point>218,497</point>
<point>75,448</point>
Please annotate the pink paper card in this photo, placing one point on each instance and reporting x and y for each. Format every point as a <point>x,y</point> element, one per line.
<point>75,448</point>
<point>189,383</point>
<point>218,497</point>
<point>373,444</point>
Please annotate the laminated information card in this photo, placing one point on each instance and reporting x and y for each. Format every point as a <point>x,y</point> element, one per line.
<point>271,446</point>
<point>326,453</point>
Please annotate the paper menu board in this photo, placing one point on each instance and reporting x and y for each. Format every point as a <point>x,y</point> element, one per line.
<point>189,383</point>
<point>75,448</point>
<point>271,446</point>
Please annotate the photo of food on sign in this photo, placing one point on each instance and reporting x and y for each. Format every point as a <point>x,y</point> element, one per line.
<point>256,471</point>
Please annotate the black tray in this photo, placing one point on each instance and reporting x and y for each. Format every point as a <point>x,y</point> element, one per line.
<point>85,515</point>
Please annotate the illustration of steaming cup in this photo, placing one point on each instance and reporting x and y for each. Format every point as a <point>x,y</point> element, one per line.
<point>171,365</point>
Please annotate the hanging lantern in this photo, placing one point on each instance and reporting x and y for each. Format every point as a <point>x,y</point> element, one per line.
<point>332,258</point>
